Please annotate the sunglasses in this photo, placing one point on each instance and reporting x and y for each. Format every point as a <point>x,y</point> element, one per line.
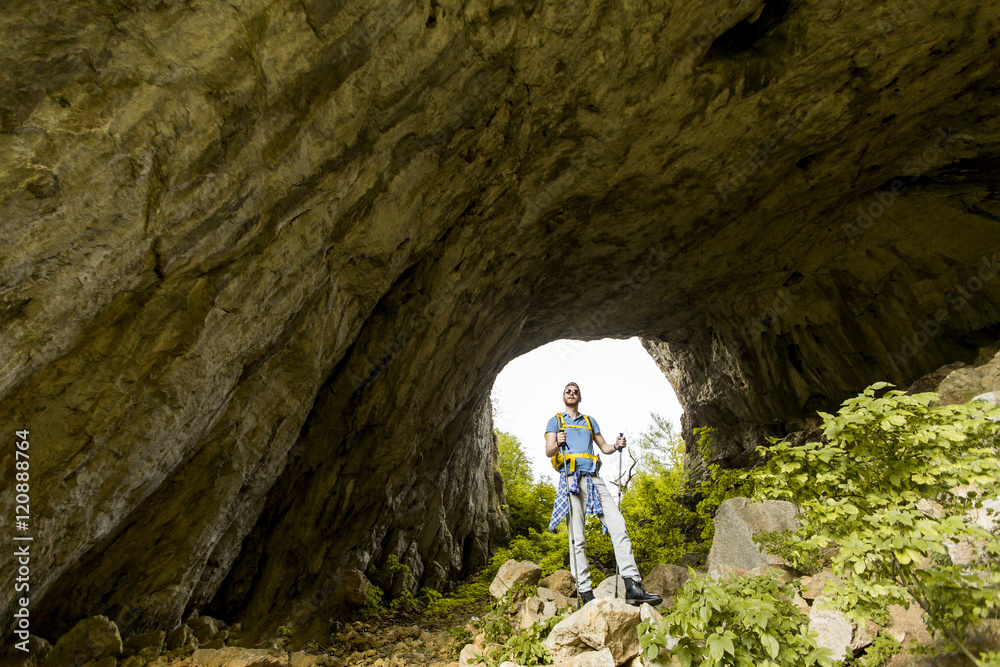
<point>572,391</point>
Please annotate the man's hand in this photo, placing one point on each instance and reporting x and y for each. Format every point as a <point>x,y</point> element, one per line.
<point>620,443</point>
<point>561,438</point>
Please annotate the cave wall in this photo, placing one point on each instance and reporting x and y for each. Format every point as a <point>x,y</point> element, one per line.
<point>264,260</point>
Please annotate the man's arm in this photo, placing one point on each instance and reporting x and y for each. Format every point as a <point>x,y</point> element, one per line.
<point>552,443</point>
<point>605,447</point>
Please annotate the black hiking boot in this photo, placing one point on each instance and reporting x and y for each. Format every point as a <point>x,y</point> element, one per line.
<point>585,597</point>
<point>635,594</point>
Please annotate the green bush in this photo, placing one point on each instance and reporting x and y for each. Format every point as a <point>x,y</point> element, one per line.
<point>741,622</point>
<point>891,487</point>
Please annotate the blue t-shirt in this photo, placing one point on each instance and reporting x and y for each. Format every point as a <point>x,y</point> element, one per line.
<point>578,439</point>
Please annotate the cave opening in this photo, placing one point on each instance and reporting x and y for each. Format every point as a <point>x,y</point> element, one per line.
<point>620,383</point>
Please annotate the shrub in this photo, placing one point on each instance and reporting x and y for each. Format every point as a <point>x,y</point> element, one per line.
<point>741,621</point>
<point>891,488</point>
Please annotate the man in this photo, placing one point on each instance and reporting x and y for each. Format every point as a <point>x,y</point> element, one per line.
<point>588,495</point>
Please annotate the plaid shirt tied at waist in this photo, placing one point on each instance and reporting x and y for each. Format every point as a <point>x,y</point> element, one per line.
<point>561,507</point>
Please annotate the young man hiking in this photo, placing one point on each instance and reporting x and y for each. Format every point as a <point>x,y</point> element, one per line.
<point>572,435</point>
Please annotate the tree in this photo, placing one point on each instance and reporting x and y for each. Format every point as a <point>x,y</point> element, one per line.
<point>529,502</point>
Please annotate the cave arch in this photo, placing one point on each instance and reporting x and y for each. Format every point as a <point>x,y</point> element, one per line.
<point>265,268</point>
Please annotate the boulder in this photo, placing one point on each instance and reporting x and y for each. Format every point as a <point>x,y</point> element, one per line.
<point>864,635</point>
<point>602,658</point>
<point>834,630</point>
<point>178,637</point>
<point>150,653</point>
<point>666,580</point>
<point>204,628</point>
<point>736,522</point>
<point>560,581</point>
<point>133,661</point>
<point>107,661</point>
<point>964,384</point>
<point>600,624</point>
<point>549,595</point>
<point>812,587</point>
<point>606,589</point>
<point>356,588</point>
<point>648,612</point>
<point>91,639</point>
<point>467,656</point>
<point>535,610</point>
<point>513,573</point>
<point>300,659</point>
<point>156,638</point>
<point>906,625</point>
<point>236,657</point>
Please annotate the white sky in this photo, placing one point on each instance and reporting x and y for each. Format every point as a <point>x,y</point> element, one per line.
<point>620,383</point>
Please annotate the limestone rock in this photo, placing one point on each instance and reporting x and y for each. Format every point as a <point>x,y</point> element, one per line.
<point>469,651</point>
<point>906,625</point>
<point>606,589</point>
<point>107,661</point>
<point>864,635</point>
<point>835,631</point>
<point>299,659</point>
<point>264,259</point>
<point>648,612</point>
<point>150,653</point>
<point>513,573</point>
<point>736,522</point>
<point>665,580</point>
<point>599,624</point>
<point>602,658</point>
<point>155,638</point>
<point>535,610</point>
<point>91,639</point>
<point>812,586</point>
<point>236,657</point>
<point>356,587</point>
<point>964,384</point>
<point>560,581</point>
<point>205,628</point>
<point>179,637</point>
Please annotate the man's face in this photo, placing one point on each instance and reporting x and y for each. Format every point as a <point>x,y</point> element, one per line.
<point>571,395</point>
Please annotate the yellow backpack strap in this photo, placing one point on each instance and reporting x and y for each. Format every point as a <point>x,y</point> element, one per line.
<point>589,425</point>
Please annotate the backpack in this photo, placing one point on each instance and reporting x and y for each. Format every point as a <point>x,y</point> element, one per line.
<point>557,460</point>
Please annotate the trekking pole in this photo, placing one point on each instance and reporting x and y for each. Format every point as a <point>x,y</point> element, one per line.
<point>618,568</point>
<point>564,449</point>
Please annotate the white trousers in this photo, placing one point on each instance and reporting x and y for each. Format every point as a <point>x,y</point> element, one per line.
<point>613,521</point>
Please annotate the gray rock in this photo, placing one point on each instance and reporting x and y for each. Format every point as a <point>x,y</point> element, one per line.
<point>665,580</point>
<point>560,581</point>
<point>835,631</point>
<point>606,589</point>
<point>356,588</point>
<point>178,637</point>
<point>204,627</point>
<point>598,625</point>
<point>155,638</point>
<point>239,657</point>
<point>92,639</point>
<point>736,522</point>
<point>513,573</point>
